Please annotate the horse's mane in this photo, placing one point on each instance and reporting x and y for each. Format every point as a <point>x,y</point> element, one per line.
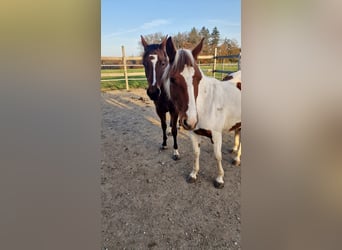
<point>183,57</point>
<point>150,48</point>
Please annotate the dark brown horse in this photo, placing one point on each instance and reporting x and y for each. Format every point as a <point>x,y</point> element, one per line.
<point>155,61</point>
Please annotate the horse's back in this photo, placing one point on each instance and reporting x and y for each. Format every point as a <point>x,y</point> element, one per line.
<point>219,104</point>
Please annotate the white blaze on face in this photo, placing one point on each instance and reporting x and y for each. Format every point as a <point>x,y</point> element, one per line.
<point>154,62</point>
<point>188,73</point>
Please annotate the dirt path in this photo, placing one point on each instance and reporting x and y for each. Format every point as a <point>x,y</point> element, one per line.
<point>146,201</point>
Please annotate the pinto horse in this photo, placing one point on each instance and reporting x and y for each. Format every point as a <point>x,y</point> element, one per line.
<point>155,61</point>
<point>235,78</point>
<point>206,105</point>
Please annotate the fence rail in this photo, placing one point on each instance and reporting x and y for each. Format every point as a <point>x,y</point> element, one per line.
<point>125,74</point>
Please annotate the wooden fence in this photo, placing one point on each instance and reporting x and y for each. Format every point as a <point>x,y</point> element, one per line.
<point>134,59</point>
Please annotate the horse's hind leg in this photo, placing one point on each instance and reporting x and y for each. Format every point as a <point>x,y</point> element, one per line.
<point>196,141</point>
<point>236,160</point>
<point>174,118</point>
<point>217,139</point>
<point>236,141</point>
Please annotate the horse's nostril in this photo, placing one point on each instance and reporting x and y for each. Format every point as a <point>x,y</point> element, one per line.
<point>185,124</point>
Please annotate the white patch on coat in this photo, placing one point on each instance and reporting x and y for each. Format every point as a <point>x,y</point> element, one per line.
<point>191,113</point>
<point>218,104</point>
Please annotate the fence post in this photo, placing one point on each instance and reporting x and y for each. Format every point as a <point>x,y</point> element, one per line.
<point>215,54</point>
<point>125,66</point>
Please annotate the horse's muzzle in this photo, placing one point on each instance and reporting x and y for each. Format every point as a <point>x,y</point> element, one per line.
<point>154,93</point>
<point>187,124</point>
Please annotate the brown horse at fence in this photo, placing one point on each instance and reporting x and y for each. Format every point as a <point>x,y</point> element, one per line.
<point>155,61</point>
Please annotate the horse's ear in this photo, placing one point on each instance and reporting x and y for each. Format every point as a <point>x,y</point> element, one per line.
<point>170,49</point>
<point>143,41</point>
<point>197,49</point>
<point>163,43</point>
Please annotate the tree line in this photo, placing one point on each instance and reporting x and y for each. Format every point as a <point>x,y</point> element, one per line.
<point>189,39</point>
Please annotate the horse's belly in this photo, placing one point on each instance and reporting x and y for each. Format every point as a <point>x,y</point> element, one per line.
<point>217,119</point>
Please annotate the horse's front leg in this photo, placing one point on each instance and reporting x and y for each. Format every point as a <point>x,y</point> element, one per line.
<point>162,116</point>
<point>174,118</point>
<point>196,143</point>
<point>217,139</point>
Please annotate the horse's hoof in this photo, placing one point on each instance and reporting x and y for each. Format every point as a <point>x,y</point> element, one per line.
<point>218,185</point>
<point>236,163</point>
<point>232,151</point>
<point>162,147</point>
<point>175,157</point>
<point>191,179</point>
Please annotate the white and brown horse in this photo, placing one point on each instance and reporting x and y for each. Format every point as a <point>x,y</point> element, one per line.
<point>206,105</point>
<point>155,61</point>
<point>235,78</point>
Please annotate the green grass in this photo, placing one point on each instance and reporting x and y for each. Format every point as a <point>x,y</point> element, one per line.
<point>141,82</point>
<point>121,84</point>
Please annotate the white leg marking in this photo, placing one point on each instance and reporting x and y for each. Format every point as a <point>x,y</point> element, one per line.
<point>219,179</point>
<point>196,140</point>
<point>169,131</point>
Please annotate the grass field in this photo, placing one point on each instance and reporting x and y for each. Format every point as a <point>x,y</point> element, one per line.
<point>118,82</point>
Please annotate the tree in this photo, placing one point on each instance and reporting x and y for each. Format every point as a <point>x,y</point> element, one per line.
<point>151,38</point>
<point>194,37</point>
<point>191,38</point>
<point>154,38</point>
<point>204,32</point>
<point>229,47</point>
<point>181,40</point>
<point>214,39</point>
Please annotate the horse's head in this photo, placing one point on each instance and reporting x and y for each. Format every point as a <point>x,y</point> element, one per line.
<point>182,78</point>
<point>155,61</point>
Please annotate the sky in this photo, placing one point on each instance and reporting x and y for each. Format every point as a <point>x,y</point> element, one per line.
<point>123,21</point>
